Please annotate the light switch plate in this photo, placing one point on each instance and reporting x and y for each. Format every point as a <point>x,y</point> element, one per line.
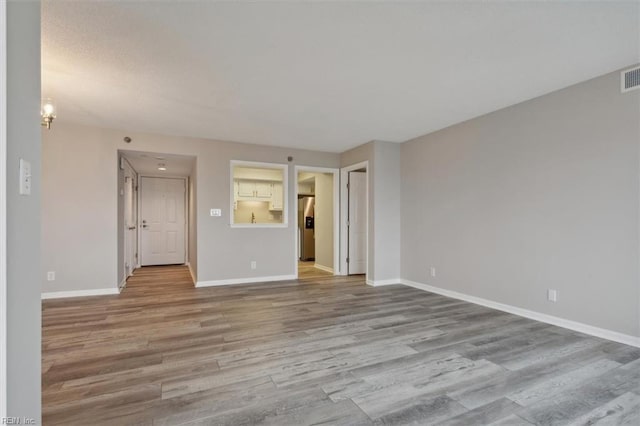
<point>25,177</point>
<point>216,212</point>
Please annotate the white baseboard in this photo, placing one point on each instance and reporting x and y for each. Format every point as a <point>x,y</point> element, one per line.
<point>323,268</point>
<point>193,276</point>
<point>380,283</point>
<point>122,285</point>
<point>549,319</point>
<point>79,293</point>
<point>245,280</point>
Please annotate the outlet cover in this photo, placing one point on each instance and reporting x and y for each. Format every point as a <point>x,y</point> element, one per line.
<point>552,295</point>
<point>433,271</point>
<point>51,276</point>
<point>216,212</point>
<point>254,264</point>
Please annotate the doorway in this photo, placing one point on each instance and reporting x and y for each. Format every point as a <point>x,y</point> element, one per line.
<point>156,211</point>
<point>316,219</point>
<point>355,223</point>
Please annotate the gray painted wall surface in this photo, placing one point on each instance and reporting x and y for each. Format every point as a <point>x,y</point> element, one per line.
<point>541,195</point>
<point>90,154</point>
<point>79,195</point>
<point>23,212</point>
<point>386,184</point>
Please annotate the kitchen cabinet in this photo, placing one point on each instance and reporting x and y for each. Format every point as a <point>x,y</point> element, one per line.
<point>250,190</point>
<point>277,197</point>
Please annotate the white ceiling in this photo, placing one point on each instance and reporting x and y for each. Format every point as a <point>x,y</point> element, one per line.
<point>146,163</point>
<point>320,75</point>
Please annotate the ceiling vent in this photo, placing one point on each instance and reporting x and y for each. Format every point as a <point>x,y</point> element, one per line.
<point>630,79</point>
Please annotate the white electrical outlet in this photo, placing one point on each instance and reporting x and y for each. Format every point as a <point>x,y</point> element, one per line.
<point>552,295</point>
<point>51,276</point>
<point>433,271</point>
<point>216,212</point>
<point>254,264</point>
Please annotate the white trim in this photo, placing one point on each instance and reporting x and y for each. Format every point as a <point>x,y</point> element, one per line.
<point>245,280</point>
<point>549,319</point>
<point>336,215</point>
<point>80,293</point>
<point>3,209</point>
<point>285,193</point>
<point>193,276</point>
<point>344,212</point>
<point>380,283</point>
<point>121,286</point>
<point>323,268</point>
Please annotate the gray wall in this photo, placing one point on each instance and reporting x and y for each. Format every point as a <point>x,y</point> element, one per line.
<point>79,195</point>
<point>383,177</point>
<point>91,155</point>
<point>23,212</point>
<point>541,195</point>
<point>386,204</point>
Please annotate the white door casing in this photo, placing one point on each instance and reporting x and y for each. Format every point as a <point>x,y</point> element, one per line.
<point>357,225</point>
<point>130,220</point>
<point>162,213</point>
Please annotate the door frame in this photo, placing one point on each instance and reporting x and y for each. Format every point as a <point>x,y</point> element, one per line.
<point>136,208</point>
<point>3,209</point>
<point>186,214</point>
<point>336,214</point>
<point>344,206</point>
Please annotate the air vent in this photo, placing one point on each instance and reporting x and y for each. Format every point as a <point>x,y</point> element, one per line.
<point>630,79</point>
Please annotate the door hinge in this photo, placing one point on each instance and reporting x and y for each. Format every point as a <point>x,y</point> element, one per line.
<point>348,223</point>
<point>347,260</point>
<point>347,186</point>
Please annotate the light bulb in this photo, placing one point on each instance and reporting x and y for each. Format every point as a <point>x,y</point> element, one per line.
<point>48,109</point>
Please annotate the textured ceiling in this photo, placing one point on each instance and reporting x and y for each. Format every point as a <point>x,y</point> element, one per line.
<point>146,163</point>
<point>320,75</point>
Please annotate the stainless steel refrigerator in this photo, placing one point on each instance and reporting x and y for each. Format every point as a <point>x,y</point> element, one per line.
<point>306,229</point>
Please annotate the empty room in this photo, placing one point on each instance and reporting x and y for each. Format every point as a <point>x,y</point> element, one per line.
<point>309,212</point>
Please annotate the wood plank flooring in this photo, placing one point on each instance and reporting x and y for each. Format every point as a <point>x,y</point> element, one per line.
<point>307,269</point>
<point>324,350</point>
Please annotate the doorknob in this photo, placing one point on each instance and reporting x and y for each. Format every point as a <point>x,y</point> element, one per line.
<point>144,224</point>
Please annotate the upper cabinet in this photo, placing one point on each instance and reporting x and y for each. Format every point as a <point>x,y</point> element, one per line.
<point>253,189</point>
<point>277,198</point>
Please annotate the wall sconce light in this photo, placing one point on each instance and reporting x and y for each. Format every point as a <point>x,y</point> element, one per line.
<point>48,113</point>
<point>162,166</point>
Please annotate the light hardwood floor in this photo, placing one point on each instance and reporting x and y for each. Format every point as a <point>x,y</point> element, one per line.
<point>308,270</point>
<point>327,350</point>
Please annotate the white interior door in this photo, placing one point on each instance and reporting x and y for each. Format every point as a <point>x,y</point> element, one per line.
<point>357,225</point>
<point>162,213</point>
<point>130,220</point>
